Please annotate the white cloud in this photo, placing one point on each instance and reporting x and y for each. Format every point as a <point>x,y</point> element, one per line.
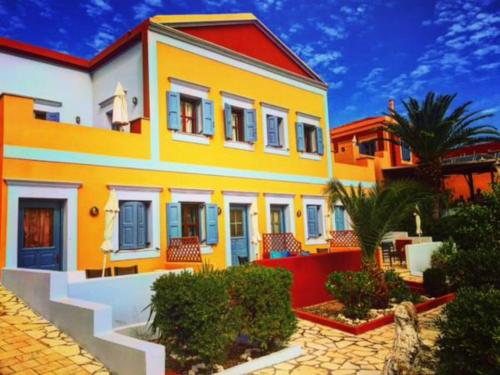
<point>489,66</point>
<point>494,49</point>
<point>371,81</point>
<point>267,5</point>
<point>420,71</point>
<point>97,7</point>
<point>104,37</point>
<point>339,70</point>
<point>146,9</point>
<point>323,59</point>
<point>335,32</point>
<point>336,85</point>
<point>218,3</point>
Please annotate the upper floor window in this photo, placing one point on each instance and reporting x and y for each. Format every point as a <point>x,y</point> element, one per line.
<point>314,227</point>
<point>240,124</point>
<point>190,115</point>
<point>368,148</point>
<point>193,219</point>
<point>309,139</point>
<point>275,129</point>
<point>405,152</point>
<point>44,115</point>
<point>237,125</point>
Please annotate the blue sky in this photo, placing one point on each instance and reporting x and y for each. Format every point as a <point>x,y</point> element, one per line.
<point>366,50</point>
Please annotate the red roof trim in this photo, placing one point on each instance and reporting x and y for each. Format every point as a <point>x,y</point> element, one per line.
<point>59,58</point>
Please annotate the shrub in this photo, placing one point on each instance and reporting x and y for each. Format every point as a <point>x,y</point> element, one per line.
<point>435,282</point>
<point>192,315</point>
<point>398,290</point>
<point>441,257</point>
<point>261,297</point>
<point>469,342</point>
<point>354,290</point>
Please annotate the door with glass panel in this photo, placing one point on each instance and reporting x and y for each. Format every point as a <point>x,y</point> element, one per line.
<point>278,222</point>
<point>238,224</point>
<point>40,234</point>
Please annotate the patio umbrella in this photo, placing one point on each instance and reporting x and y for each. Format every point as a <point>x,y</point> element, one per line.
<point>111,210</point>
<point>120,111</point>
<point>254,219</point>
<point>418,221</point>
<point>329,228</point>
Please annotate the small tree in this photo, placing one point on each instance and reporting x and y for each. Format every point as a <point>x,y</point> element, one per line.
<point>376,211</point>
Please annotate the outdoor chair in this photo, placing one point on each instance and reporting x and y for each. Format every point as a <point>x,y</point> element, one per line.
<point>400,249</point>
<point>95,273</point>
<point>242,260</point>
<point>120,271</point>
<point>388,251</point>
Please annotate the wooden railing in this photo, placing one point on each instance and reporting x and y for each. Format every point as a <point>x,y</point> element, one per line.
<point>342,239</point>
<point>184,249</point>
<point>280,242</point>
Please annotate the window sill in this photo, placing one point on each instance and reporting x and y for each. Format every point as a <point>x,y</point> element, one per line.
<point>277,151</point>
<point>316,241</point>
<point>135,254</point>
<point>310,156</point>
<point>206,250</point>
<point>191,138</point>
<point>239,145</point>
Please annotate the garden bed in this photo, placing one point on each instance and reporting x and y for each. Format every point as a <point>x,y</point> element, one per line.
<point>361,328</point>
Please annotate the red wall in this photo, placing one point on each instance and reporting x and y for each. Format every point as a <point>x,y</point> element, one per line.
<point>249,40</point>
<point>310,273</point>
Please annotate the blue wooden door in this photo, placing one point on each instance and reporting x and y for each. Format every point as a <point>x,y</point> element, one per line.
<point>40,234</point>
<point>238,224</point>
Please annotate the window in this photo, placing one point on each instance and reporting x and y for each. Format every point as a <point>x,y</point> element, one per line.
<point>275,131</point>
<point>278,221</point>
<point>190,219</point>
<point>309,139</point>
<point>133,225</point>
<point>237,126</point>
<point>44,115</point>
<point>405,152</point>
<point>237,223</point>
<point>368,148</point>
<point>339,213</point>
<point>313,220</point>
<point>190,115</point>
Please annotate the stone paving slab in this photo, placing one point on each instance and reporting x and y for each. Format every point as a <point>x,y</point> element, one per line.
<point>330,351</point>
<point>31,345</point>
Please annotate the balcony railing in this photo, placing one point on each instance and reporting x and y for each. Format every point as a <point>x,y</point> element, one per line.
<point>280,242</point>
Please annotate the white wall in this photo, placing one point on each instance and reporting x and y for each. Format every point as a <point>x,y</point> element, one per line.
<point>28,77</point>
<point>126,68</point>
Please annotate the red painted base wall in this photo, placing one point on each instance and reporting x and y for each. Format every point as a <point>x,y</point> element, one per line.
<point>310,273</point>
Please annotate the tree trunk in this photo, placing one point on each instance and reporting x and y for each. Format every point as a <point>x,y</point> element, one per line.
<point>431,174</point>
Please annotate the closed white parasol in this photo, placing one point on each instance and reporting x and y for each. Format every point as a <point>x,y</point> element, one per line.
<point>111,210</point>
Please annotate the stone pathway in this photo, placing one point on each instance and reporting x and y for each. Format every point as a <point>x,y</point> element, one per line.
<point>30,345</point>
<point>330,351</point>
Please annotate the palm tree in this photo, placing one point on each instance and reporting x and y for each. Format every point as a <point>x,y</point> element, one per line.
<point>431,130</point>
<point>376,211</point>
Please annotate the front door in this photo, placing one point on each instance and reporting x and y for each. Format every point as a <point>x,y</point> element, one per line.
<point>238,224</point>
<point>40,234</point>
<point>278,224</point>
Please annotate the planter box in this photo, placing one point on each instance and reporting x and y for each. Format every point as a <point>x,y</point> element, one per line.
<point>371,325</point>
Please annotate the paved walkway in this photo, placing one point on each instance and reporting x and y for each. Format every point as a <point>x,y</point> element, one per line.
<point>330,351</point>
<point>30,345</point>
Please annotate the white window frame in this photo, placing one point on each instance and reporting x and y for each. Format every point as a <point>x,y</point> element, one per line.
<point>65,191</point>
<point>317,201</point>
<point>268,109</point>
<point>151,195</point>
<point>243,103</point>
<point>195,91</point>
<point>193,196</point>
<point>247,198</point>
<point>314,121</point>
<point>283,200</point>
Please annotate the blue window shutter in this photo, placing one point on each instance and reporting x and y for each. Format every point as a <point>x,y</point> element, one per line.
<point>250,125</point>
<point>212,225</point>
<point>128,225</point>
<point>312,221</point>
<point>405,151</point>
<point>53,116</point>
<point>301,143</point>
<point>228,121</point>
<point>142,228</point>
<point>208,116</point>
<point>339,218</point>
<point>319,140</point>
<point>174,110</point>
<point>174,220</point>
<point>272,131</point>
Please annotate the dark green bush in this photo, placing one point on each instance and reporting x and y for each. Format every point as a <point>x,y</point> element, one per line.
<point>435,282</point>
<point>261,297</point>
<point>469,342</point>
<point>441,257</point>
<point>354,290</point>
<point>398,290</point>
<point>193,317</point>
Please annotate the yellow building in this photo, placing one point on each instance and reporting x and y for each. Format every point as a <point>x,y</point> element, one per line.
<point>228,139</point>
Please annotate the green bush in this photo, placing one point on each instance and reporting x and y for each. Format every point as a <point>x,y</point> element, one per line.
<point>435,282</point>
<point>440,258</point>
<point>192,316</point>
<point>469,342</point>
<point>398,290</point>
<point>261,297</point>
<point>354,290</point>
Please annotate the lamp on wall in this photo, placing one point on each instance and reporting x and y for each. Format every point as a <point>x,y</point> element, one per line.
<point>94,211</point>
<point>299,213</point>
<point>78,119</point>
<point>135,100</point>
<point>219,211</point>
